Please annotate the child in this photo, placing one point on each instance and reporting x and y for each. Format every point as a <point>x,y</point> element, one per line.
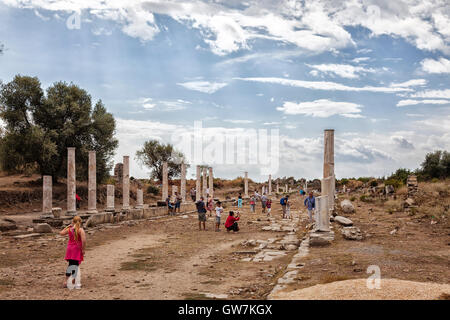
<point>240,200</point>
<point>252,204</point>
<point>288,209</point>
<point>219,211</point>
<point>268,206</point>
<point>75,251</point>
<point>210,206</point>
<point>231,223</point>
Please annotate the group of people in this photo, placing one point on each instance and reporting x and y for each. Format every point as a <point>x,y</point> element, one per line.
<point>174,205</point>
<point>231,224</point>
<point>266,203</point>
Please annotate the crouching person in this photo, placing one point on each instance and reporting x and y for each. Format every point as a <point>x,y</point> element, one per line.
<point>231,223</point>
<point>75,252</point>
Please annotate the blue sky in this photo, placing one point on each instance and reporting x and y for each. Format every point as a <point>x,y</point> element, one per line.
<point>377,72</point>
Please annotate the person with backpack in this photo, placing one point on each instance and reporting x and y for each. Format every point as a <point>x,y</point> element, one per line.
<point>201,210</point>
<point>283,202</point>
<point>252,204</point>
<point>310,204</point>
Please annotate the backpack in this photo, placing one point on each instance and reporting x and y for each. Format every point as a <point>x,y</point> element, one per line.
<point>282,201</point>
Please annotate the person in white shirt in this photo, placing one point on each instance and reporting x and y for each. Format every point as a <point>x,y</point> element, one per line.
<point>219,211</point>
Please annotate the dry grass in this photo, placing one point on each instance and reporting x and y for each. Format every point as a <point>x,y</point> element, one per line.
<point>394,205</point>
<point>328,278</point>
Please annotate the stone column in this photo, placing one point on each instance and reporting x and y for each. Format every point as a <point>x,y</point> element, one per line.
<point>110,198</point>
<point>211,182</point>
<point>278,187</point>
<point>198,185</point>
<point>71,182</point>
<point>183,183</point>
<point>174,189</point>
<point>328,154</point>
<point>322,214</point>
<point>92,183</point>
<point>139,199</point>
<point>165,182</point>
<point>204,183</point>
<point>126,183</point>
<point>286,188</point>
<point>270,184</point>
<point>47,194</point>
<point>246,184</point>
<point>327,190</point>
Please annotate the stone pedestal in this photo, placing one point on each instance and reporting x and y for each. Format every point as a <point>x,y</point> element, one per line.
<point>270,185</point>
<point>211,183</point>
<point>246,184</point>
<point>71,182</point>
<point>204,183</point>
<point>47,194</point>
<point>183,183</point>
<point>92,183</point>
<point>198,189</point>
<point>139,199</point>
<point>165,181</point>
<point>126,183</point>
<point>110,198</point>
<point>322,214</point>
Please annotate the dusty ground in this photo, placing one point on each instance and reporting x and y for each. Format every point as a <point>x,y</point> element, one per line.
<point>170,259</point>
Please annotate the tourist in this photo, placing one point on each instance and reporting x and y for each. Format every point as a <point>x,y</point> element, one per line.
<point>201,210</point>
<point>231,223</point>
<point>283,202</point>
<point>268,206</point>
<point>219,211</point>
<point>310,204</point>
<point>240,200</point>
<point>78,200</point>
<point>288,208</point>
<point>193,194</point>
<point>210,205</point>
<point>263,203</point>
<point>75,251</point>
<point>177,202</point>
<point>170,207</point>
<point>252,204</point>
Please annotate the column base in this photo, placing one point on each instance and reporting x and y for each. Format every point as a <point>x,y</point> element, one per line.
<point>71,213</point>
<point>92,211</point>
<point>110,209</point>
<point>139,207</point>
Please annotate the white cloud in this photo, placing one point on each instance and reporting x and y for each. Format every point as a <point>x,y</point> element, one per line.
<point>326,85</point>
<point>358,60</point>
<point>342,70</point>
<point>238,121</point>
<point>439,94</point>
<point>322,108</point>
<point>436,66</point>
<point>409,83</point>
<point>410,102</point>
<point>203,86</point>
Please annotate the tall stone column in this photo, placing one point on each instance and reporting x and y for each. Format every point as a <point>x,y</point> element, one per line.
<point>71,182</point>
<point>322,214</point>
<point>286,188</point>
<point>110,198</point>
<point>278,187</point>
<point>126,183</point>
<point>183,183</point>
<point>139,199</point>
<point>165,181</point>
<point>328,154</point>
<point>270,185</point>
<point>198,190</point>
<point>47,194</point>
<point>92,183</point>
<point>204,183</point>
<point>246,184</point>
<point>211,182</point>
<point>327,190</point>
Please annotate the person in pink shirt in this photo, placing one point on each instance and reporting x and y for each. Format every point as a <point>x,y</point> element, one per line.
<point>75,251</point>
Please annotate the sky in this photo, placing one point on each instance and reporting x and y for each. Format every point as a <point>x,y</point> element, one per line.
<point>263,79</point>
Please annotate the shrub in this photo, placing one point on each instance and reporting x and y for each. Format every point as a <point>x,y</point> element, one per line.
<point>365,198</point>
<point>153,190</point>
<point>353,198</point>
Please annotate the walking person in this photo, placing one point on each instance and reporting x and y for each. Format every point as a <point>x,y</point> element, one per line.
<point>75,252</point>
<point>283,202</point>
<point>231,223</point>
<point>288,208</point>
<point>240,200</point>
<point>177,202</point>
<point>310,204</point>
<point>77,201</point>
<point>193,194</point>
<point>210,205</point>
<point>170,206</point>
<point>219,211</point>
<point>252,204</point>
<point>268,206</point>
<point>263,203</point>
<point>201,210</point>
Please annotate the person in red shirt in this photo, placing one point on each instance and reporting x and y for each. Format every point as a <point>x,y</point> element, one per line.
<point>78,201</point>
<point>231,223</point>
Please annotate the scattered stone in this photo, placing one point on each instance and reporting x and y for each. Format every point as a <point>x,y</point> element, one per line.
<point>347,206</point>
<point>42,228</point>
<point>7,225</point>
<point>318,239</point>
<point>56,212</point>
<point>352,233</point>
<point>433,221</point>
<point>343,221</point>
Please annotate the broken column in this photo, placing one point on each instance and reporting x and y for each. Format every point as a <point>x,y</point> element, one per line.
<point>322,214</point>
<point>71,182</point>
<point>246,184</point>
<point>197,185</point>
<point>270,184</point>
<point>110,198</point>
<point>211,183</point>
<point>126,183</point>
<point>183,183</point>
<point>165,182</point>
<point>47,194</point>
<point>92,183</point>
<point>204,181</point>
<point>139,199</point>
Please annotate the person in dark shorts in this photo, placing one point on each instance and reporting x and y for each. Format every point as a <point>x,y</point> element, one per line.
<point>170,206</point>
<point>231,223</point>
<point>177,202</point>
<point>201,210</point>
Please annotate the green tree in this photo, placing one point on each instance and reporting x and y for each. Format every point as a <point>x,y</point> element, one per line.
<point>436,165</point>
<point>400,175</point>
<point>40,128</point>
<point>154,153</point>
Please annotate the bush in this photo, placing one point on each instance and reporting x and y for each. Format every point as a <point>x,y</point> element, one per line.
<point>153,190</point>
<point>352,199</point>
<point>365,198</point>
